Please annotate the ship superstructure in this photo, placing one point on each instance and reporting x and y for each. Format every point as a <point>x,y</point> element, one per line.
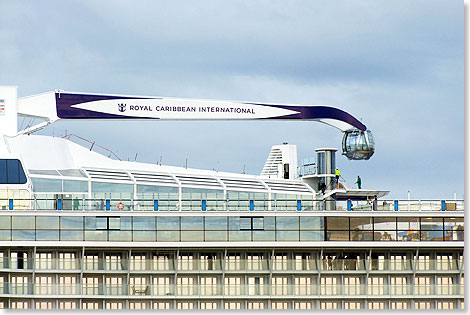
<point>79,230</point>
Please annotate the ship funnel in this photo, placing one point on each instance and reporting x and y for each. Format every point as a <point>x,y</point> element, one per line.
<point>281,162</point>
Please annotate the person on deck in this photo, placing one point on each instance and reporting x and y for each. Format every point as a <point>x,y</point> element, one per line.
<point>338,175</point>
<point>358,182</point>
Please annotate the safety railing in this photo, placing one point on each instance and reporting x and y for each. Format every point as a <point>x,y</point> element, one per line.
<point>255,289</point>
<point>335,264</point>
<point>264,265</point>
<point>124,205</point>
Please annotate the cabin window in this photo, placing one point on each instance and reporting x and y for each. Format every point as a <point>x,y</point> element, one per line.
<point>11,172</point>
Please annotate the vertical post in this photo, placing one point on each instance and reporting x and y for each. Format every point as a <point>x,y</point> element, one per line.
<point>108,205</point>
<point>252,205</point>
<point>59,204</point>
<point>409,198</point>
<point>299,205</point>
<point>443,205</point>
<point>396,205</point>
<point>155,205</point>
<point>10,204</point>
<point>204,205</point>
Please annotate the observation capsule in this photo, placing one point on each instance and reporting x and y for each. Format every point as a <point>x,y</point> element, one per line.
<point>358,145</point>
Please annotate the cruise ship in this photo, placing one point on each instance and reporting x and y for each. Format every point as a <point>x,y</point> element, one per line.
<point>84,230</point>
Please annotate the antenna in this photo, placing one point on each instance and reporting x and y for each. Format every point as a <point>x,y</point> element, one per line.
<point>161,158</point>
<point>135,158</point>
<point>186,164</point>
<point>243,169</point>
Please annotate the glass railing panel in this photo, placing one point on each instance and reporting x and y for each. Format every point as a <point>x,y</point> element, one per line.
<point>209,264</point>
<point>423,289</point>
<point>231,290</point>
<point>92,289</point>
<point>357,289</point>
<point>235,264</point>
<point>23,289</point>
<point>305,289</point>
<point>234,289</point>
<point>115,264</point>
<point>20,263</point>
<point>121,289</point>
<point>163,264</point>
<point>280,289</point>
<point>256,289</point>
<point>401,289</point>
<point>342,264</point>
<point>69,289</point>
<point>54,263</point>
<point>166,289</point>
<point>186,289</point>
<point>376,289</point>
<point>330,289</point>
<point>450,289</point>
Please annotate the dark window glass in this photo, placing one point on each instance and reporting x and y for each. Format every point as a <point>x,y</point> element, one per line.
<point>337,236</point>
<point>101,223</point>
<point>66,235</point>
<point>383,223</point>
<point>144,236</point>
<point>269,223</point>
<point>408,223</point>
<point>3,171</point>
<point>47,235</point>
<point>96,223</point>
<point>47,222</point>
<point>245,223</point>
<point>11,172</point>
<point>144,223</point>
<point>287,235</point>
<point>71,223</point>
<point>287,223</point>
<point>311,223</point>
<point>363,224</point>
<point>126,223</point>
<point>216,223</point>
<point>312,235</point>
<point>192,223</point>
<point>5,222</point>
<point>234,223</point>
<point>114,223</point>
<point>337,223</point>
<point>168,223</point>
<point>258,223</point>
<point>22,175</point>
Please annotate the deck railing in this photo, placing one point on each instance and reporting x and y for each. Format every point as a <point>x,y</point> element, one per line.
<point>257,290</point>
<point>123,205</point>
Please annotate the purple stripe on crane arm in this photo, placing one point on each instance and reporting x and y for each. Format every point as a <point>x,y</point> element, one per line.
<point>64,102</point>
<point>318,112</point>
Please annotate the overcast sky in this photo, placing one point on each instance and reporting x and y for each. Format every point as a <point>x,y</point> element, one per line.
<point>396,65</point>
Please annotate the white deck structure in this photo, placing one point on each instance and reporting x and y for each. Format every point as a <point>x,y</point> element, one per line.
<point>79,230</point>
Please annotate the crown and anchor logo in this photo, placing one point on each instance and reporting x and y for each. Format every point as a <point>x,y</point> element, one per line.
<point>122,107</point>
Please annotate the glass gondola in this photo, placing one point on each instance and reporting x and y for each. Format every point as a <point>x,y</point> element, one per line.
<point>358,145</point>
